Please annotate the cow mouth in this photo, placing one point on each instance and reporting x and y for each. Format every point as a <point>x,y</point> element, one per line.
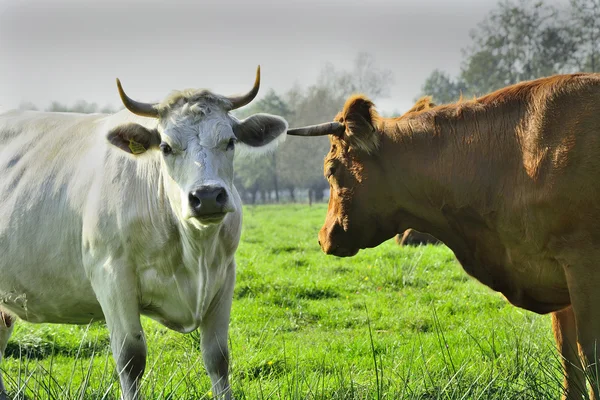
<point>338,251</point>
<point>211,218</point>
<point>345,252</point>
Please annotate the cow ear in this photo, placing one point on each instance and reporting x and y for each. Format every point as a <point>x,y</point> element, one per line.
<point>260,130</point>
<point>134,138</point>
<point>361,120</point>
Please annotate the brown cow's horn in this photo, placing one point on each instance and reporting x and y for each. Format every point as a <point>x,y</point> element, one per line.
<point>143,109</point>
<point>328,128</point>
<point>240,101</point>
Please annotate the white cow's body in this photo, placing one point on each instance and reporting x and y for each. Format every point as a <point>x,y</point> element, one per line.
<point>69,205</point>
<point>116,216</point>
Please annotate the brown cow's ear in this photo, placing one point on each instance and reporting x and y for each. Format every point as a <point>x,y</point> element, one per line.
<point>361,118</point>
<point>134,138</point>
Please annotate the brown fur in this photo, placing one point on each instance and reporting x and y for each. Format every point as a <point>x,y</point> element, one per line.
<point>6,319</point>
<point>509,181</point>
<point>424,103</point>
<point>361,118</point>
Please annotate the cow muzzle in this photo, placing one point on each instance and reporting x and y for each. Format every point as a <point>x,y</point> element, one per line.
<point>208,203</point>
<point>333,241</point>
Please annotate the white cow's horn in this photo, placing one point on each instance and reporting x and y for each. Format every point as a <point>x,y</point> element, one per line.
<point>240,101</point>
<point>136,107</point>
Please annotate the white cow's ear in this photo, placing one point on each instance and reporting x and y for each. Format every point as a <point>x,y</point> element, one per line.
<point>134,138</point>
<point>260,129</point>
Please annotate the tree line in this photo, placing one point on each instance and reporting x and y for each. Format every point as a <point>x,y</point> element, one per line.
<point>523,40</point>
<point>519,40</point>
<point>295,171</point>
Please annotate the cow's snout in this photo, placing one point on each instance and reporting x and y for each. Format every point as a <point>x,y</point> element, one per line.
<point>333,240</point>
<point>208,202</point>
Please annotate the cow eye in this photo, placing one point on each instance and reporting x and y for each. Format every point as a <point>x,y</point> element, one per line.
<point>165,148</point>
<point>231,144</point>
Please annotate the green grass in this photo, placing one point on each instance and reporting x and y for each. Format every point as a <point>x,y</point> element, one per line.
<point>389,323</point>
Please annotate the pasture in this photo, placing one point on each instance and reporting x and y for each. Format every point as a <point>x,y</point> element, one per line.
<point>389,323</point>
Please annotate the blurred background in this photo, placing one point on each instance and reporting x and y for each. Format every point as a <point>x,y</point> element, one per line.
<point>65,55</point>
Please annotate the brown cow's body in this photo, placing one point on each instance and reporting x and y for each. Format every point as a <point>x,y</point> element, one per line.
<point>509,181</point>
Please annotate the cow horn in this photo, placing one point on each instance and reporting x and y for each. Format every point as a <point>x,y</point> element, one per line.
<point>328,128</point>
<point>143,109</point>
<point>240,101</point>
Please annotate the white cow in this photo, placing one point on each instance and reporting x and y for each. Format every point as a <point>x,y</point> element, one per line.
<point>116,216</point>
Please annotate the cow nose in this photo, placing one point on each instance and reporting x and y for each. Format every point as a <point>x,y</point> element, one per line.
<point>208,200</point>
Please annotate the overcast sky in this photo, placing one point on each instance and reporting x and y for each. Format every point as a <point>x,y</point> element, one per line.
<point>74,49</point>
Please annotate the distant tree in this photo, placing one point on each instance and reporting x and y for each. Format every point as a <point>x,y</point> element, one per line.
<point>82,106</point>
<point>298,162</point>
<point>108,109</point>
<point>585,22</point>
<point>442,87</point>
<point>523,40</point>
<point>364,77</point>
<point>27,105</point>
<point>520,40</point>
<point>261,174</point>
<point>57,107</point>
<point>304,156</point>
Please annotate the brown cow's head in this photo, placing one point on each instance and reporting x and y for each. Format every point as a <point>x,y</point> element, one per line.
<point>359,213</point>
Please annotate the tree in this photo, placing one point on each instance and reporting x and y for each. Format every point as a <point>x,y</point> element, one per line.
<point>261,173</point>
<point>108,109</point>
<point>585,22</point>
<point>365,77</point>
<point>55,106</point>
<point>319,103</point>
<point>298,162</point>
<point>442,87</point>
<point>80,106</point>
<point>27,105</point>
<point>521,40</point>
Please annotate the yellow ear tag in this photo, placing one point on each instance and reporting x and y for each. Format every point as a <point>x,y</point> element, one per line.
<point>135,147</point>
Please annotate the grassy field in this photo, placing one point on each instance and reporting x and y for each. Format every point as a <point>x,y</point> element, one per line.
<point>389,323</point>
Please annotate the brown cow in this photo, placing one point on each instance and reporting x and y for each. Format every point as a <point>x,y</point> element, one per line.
<point>509,181</point>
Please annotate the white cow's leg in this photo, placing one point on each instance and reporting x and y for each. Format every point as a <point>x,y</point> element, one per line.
<point>565,333</point>
<point>214,328</point>
<point>7,324</point>
<point>117,295</point>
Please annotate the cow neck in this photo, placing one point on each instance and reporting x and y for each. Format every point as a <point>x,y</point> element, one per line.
<point>452,160</point>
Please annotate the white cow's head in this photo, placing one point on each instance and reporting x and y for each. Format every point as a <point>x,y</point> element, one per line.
<point>196,137</point>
